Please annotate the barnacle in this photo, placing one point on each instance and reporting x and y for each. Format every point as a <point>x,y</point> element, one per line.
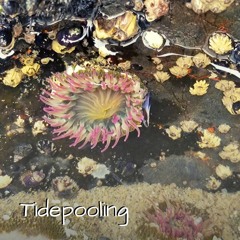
<point>223,128</point>
<point>174,132</point>
<point>30,70</point>
<point>155,9</point>
<point>13,77</point>
<point>179,72</point>
<point>188,126</point>
<point>230,97</point>
<point>184,62</point>
<point>161,76</point>
<point>231,152</point>
<point>201,60</point>
<point>223,171</point>
<point>5,181</point>
<point>213,183</point>
<point>220,43</point>
<point>86,166</point>
<point>20,122</point>
<point>225,85</point>
<point>209,140</point>
<point>39,127</point>
<point>199,88</point>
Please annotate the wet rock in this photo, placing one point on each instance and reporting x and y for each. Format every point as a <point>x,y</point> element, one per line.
<point>21,151</point>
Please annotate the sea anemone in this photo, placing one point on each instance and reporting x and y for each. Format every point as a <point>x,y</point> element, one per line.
<point>94,105</point>
<point>173,221</point>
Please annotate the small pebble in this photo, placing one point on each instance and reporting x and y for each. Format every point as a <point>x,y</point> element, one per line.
<point>153,164</point>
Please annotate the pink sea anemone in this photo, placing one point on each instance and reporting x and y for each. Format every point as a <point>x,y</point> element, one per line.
<point>94,105</point>
<point>174,222</point>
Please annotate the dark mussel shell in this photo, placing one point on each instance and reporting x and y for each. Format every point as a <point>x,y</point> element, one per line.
<point>235,55</point>
<point>50,14</point>
<point>42,40</point>
<point>236,107</point>
<point>71,36</point>
<point>83,8</point>
<point>6,38</point>
<point>11,7</point>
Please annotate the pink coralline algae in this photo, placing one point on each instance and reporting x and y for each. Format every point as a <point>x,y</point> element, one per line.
<point>92,106</point>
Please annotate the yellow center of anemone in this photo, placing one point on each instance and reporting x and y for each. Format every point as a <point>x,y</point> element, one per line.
<point>101,104</point>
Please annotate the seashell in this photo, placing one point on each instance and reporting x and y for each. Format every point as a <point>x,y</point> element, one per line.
<point>64,187</point>
<point>32,178</point>
<point>11,8</point>
<point>69,37</point>
<point>153,40</point>
<point>46,147</point>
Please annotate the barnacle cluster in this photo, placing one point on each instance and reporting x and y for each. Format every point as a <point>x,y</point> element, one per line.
<point>202,6</point>
<point>209,140</point>
<point>188,126</point>
<point>231,96</point>
<point>231,152</point>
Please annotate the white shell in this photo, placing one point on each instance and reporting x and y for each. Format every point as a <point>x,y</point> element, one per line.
<point>154,40</point>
